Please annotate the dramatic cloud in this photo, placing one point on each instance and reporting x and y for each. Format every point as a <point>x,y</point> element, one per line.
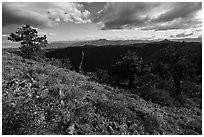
<point>93,7</point>
<point>149,16</point>
<point>47,34</point>
<point>43,14</point>
<point>172,25</point>
<point>121,20</point>
<point>179,10</point>
<point>69,12</point>
<point>182,35</point>
<point>121,15</point>
<point>200,36</point>
<point>15,13</point>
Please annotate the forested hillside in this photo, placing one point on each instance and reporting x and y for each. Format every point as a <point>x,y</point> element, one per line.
<point>104,57</point>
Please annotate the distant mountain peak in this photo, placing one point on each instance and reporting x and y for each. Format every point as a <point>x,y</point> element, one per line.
<point>101,40</point>
<point>165,40</point>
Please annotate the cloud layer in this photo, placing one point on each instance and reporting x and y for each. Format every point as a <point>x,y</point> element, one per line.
<point>43,14</point>
<point>119,15</point>
<point>149,16</point>
<point>158,19</point>
<point>182,35</point>
<point>16,13</point>
<point>69,12</point>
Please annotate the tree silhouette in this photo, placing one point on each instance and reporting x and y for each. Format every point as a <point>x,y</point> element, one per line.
<point>31,43</point>
<point>175,56</point>
<point>127,67</point>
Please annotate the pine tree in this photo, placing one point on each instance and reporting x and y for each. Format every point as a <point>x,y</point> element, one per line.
<point>31,43</point>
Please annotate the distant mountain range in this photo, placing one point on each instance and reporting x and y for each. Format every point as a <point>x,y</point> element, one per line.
<point>103,42</point>
<point>188,40</point>
<point>99,42</point>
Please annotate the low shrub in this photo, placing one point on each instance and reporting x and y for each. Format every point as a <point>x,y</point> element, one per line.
<point>195,125</point>
<point>61,63</point>
<point>151,123</point>
<point>158,96</point>
<point>192,89</point>
<point>66,63</point>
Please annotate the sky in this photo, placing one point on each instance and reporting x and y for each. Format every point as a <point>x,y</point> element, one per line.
<point>67,21</point>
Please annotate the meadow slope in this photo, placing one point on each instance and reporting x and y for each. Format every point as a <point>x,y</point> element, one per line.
<point>38,98</point>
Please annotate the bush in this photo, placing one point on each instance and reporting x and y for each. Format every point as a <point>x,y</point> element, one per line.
<point>192,89</point>
<point>63,63</point>
<point>66,63</point>
<point>158,96</point>
<point>127,68</point>
<point>55,62</point>
<point>195,125</point>
<point>150,122</point>
<point>102,74</point>
<point>92,76</point>
<point>16,120</point>
<point>32,52</point>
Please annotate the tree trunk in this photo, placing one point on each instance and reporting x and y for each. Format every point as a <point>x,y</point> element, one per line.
<point>131,80</point>
<point>80,65</point>
<point>177,85</point>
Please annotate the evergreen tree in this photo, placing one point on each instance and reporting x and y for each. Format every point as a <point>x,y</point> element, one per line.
<point>175,57</point>
<point>129,66</point>
<point>31,43</point>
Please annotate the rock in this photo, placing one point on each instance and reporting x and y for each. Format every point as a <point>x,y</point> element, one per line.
<point>110,130</point>
<point>71,129</point>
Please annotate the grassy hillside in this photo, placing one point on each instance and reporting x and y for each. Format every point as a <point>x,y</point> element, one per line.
<point>38,98</point>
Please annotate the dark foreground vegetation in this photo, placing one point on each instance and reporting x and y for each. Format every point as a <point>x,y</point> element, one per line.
<point>151,89</point>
